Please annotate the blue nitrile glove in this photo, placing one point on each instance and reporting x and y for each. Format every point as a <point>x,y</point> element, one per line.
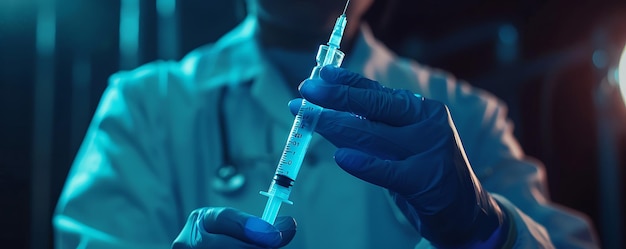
<point>409,145</point>
<point>229,228</point>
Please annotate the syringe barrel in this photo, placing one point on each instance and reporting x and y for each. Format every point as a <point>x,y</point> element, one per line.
<point>326,55</point>
<point>298,140</point>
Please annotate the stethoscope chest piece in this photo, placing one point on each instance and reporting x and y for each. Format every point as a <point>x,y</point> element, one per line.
<point>228,179</point>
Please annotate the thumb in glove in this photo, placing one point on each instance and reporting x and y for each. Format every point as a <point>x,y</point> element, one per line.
<point>213,227</point>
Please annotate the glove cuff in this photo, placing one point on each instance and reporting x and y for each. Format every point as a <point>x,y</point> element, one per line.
<point>487,228</point>
<point>503,236</point>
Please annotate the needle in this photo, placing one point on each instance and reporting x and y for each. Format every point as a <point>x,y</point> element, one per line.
<point>345,8</point>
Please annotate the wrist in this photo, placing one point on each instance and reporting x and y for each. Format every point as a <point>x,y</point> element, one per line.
<point>487,226</point>
<point>503,236</point>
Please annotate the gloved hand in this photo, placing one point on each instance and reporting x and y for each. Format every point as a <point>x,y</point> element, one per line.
<point>409,145</point>
<point>229,228</point>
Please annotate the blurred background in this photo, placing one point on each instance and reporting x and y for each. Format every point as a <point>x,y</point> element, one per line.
<point>554,62</point>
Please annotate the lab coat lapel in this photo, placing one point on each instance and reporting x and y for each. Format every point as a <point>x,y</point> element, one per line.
<point>240,60</point>
<point>270,91</point>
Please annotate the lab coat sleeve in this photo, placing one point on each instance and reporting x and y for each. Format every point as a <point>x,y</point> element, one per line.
<point>517,186</point>
<point>116,194</point>
<point>517,182</point>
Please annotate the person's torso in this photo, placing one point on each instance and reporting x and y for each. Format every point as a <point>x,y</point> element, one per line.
<point>333,209</point>
<point>222,118</point>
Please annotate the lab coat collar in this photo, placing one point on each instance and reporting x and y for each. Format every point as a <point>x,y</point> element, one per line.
<point>237,58</point>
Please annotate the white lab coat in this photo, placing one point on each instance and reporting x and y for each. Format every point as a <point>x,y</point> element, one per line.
<point>150,155</point>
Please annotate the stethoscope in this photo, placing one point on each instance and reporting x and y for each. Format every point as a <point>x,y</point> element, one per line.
<point>228,177</point>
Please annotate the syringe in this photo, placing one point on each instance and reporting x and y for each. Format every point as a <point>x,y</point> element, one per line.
<point>302,128</point>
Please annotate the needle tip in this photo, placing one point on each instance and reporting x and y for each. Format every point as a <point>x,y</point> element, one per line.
<point>345,8</point>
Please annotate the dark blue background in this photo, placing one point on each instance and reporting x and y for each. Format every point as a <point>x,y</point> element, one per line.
<point>549,85</point>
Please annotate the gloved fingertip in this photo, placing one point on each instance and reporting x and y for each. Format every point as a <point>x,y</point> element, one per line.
<point>262,232</point>
<point>285,223</point>
<point>287,227</point>
<point>348,160</point>
<point>310,89</point>
<point>304,86</point>
<point>301,84</point>
<point>330,73</point>
<point>294,105</point>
